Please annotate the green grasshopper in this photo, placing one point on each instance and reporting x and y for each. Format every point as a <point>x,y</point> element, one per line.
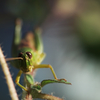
<point>28,53</point>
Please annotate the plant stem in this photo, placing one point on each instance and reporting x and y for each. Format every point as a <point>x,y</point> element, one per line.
<point>36,94</point>
<point>8,77</point>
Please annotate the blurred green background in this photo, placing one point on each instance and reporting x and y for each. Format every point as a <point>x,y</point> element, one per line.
<point>71,37</point>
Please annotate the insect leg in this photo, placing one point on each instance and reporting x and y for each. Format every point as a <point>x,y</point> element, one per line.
<point>46,66</point>
<point>16,37</point>
<point>38,40</point>
<point>18,79</point>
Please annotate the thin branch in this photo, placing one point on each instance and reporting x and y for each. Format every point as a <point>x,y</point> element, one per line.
<point>8,77</point>
<point>36,94</point>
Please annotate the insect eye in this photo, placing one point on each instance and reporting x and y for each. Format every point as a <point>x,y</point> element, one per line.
<point>20,54</point>
<point>29,54</point>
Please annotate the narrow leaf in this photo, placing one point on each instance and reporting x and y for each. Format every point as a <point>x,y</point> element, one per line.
<point>29,78</point>
<point>45,82</point>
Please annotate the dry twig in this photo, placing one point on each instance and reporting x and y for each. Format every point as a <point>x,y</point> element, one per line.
<point>8,77</point>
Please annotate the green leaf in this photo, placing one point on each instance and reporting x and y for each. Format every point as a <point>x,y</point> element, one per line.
<point>37,87</point>
<point>45,82</point>
<point>29,78</point>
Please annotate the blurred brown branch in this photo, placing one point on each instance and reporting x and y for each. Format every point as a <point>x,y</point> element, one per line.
<point>8,77</point>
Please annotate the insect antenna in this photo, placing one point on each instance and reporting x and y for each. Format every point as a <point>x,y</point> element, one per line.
<point>8,59</point>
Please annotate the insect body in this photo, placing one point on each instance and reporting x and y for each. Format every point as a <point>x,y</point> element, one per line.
<point>30,50</point>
